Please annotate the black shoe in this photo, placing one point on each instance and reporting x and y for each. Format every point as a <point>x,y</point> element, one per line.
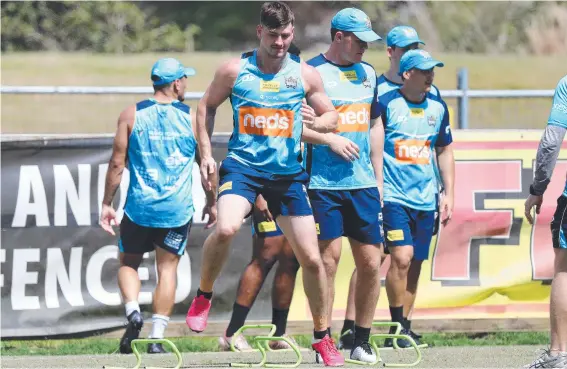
<point>346,341</point>
<point>156,348</point>
<point>401,342</point>
<point>135,324</point>
<point>416,337</point>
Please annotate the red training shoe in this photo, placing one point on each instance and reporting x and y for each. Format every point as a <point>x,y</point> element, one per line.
<point>198,313</point>
<point>328,351</point>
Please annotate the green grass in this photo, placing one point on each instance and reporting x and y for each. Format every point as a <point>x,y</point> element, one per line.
<point>98,114</point>
<point>202,344</point>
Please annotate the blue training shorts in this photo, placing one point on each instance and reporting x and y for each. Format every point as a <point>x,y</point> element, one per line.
<point>559,224</point>
<point>404,226</point>
<point>351,213</point>
<point>286,194</point>
<point>264,228</point>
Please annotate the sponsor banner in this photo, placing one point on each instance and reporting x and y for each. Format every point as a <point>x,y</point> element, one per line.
<point>489,262</point>
<point>58,267</point>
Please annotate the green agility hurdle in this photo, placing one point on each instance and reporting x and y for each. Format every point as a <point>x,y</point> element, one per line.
<point>261,344</point>
<point>395,336</point>
<point>138,356</point>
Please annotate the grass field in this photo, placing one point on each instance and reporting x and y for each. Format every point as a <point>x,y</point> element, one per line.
<point>97,114</point>
<point>201,344</point>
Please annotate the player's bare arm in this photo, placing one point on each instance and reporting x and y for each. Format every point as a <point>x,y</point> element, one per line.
<point>217,92</point>
<point>326,117</point>
<point>342,146</point>
<point>446,162</point>
<point>210,205</point>
<point>116,166</point>
<point>377,152</point>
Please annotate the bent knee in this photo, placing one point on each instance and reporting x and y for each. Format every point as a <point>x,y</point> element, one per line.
<point>313,263</point>
<point>226,232</point>
<point>401,257</point>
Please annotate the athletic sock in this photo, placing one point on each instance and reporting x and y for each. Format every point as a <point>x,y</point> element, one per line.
<point>159,323</point>
<point>319,335</point>
<point>207,295</point>
<point>397,314</point>
<point>130,307</point>
<point>279,319</point>
<point>361,335</point>
<point>407,324</point>
<point>239,314</point>
<point>347,325</point>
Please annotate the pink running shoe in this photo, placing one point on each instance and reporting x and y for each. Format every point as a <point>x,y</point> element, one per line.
<point>328,351</point>
<point>198,313</point>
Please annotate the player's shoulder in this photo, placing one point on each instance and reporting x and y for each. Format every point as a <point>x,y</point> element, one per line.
<point>317,61</point>
<point>140,105</point>
<point>435,91</point>
<point>390,96</point>
<point>229,68</point>
<point>368,67</point>
<point>128,115</point>
<point>369,70</point>
<point>435,96</point>
<point>182,106</point>
<point>561,88</point>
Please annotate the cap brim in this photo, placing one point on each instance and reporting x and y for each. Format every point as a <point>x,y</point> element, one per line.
<point>190,72</point>
<point>367,36</point>
<point>429,64</point>
<point>408,42</point>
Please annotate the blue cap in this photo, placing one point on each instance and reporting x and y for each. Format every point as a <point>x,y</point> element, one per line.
<point>402,36</point>
<point>419,59</point>
<point>355,21</point>
<point>167,70</point>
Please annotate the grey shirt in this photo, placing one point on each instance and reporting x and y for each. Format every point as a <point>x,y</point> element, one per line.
<point>547,154</point>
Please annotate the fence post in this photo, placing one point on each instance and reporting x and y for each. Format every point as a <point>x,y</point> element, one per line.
<point>463,101</point>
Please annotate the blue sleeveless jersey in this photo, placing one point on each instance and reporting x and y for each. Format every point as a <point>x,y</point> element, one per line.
<point>412,131</point>
<point>161,153</point>
<point>267,116</point>
<point>352,90</point>
<point>558,114</point>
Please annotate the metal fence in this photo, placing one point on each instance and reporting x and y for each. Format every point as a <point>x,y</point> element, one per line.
<point>462,97</point>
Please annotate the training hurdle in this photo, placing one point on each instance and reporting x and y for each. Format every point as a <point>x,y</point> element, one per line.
<point>138,356</point>
<point>262,346</point>
<point>395,336</point>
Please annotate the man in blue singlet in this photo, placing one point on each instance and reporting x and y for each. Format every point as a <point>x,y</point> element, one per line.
<point>416,125</point>
<point>344,193</point>
<point>399,40</point>
<point>266,88</point>
<point>156,138</point>
<point>547,153</point>
<point>269,246</point>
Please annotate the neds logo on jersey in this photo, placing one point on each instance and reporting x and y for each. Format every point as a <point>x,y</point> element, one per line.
<point>353,117</point>
<point>265,121</point>
<point>413,151</point>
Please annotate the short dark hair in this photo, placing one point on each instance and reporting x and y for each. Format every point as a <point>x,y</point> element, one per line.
<point>275,14</point>
<point>334,32</point>
<point>165,86</point>
<point>293,49</point>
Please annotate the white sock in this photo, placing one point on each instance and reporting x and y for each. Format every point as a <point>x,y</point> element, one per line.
<point>130,307</point>
<point>159,323</point>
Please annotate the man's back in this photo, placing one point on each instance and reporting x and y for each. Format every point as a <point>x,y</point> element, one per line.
<point>161,152</point>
